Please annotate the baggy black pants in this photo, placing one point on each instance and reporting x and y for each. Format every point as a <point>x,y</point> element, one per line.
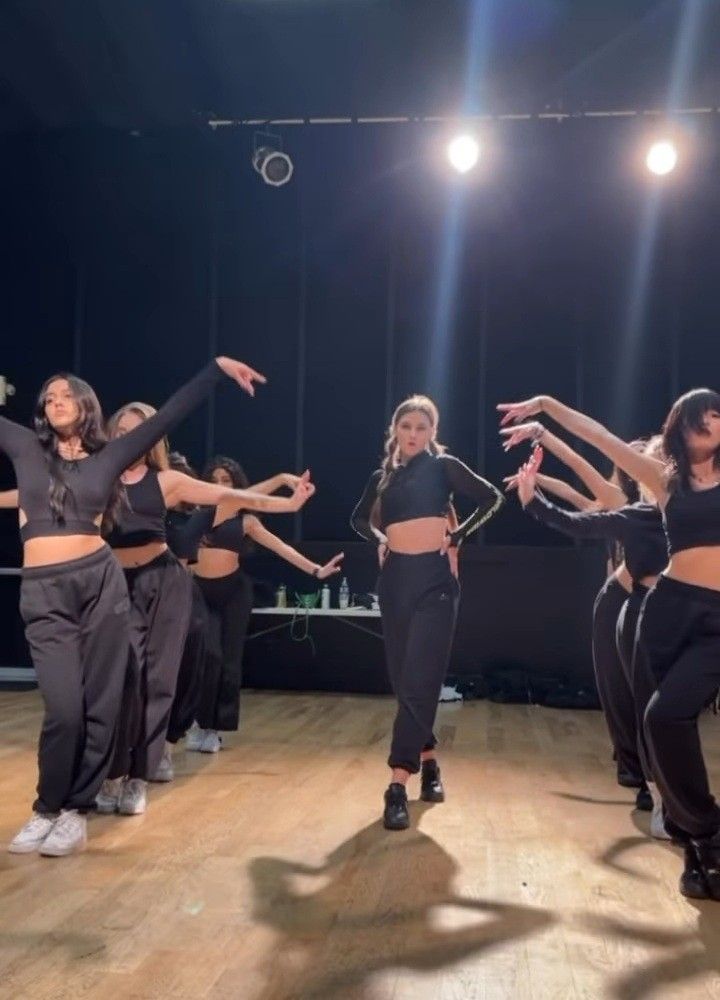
<point>190,676</point>
<point>678,646</point>
<point>613,686</point>
<point>419,600</point>
<point>229,601</point>
<point>640,689</point>
<point>160,596</point>
<point>76,618</point>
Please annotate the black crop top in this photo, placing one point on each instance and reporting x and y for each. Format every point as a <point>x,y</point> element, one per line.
<point>424,487</point>
<point>90,480</point>
<point>637,526</point>
<point>141,519</point>
<point>185,529</point>
<point>229,535</point>
<point>692,519</point>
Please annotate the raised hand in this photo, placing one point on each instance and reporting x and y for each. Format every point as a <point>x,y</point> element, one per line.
<point>512,482</point>
<point>304,489</point>
<point>514,413</point>
<point>243,374</point>
<point>331,567</point>
<point>289,479</point>
<point>527,477</point>
<point>530,431</point>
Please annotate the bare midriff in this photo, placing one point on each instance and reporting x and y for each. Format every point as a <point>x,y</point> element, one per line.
<point>648,581</point>
<point>139,555</point>
<point>699,567</point>
<point>423,534</point>
<point>214,563</point>
<point>53,549</point>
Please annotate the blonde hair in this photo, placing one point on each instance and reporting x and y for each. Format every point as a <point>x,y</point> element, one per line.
<point>413,404</point>
<point>158,457</point>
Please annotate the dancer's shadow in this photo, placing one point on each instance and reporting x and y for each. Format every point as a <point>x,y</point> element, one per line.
<point>594,801</point>
<point>381,900</point>
<point>685,955</point>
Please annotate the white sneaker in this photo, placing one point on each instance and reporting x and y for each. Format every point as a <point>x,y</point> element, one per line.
<point>33,833</point>
<point>68,835</point>
<point>133,800</point>
<point>107,799</point>
<point>165,771</point>
<point>194,738</point>
<point>212,743</point>
<point>657,820</point>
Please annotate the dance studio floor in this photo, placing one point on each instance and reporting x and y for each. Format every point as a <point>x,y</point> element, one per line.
<point>264,874</point>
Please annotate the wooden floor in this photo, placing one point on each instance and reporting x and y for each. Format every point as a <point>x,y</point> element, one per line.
<point>264,874</point>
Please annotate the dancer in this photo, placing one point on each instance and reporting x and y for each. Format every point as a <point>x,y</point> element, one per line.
<point>678,637</point>
<point>611,676</point>
<point>404,509</point>
<point>74,599</point>
<point>638,528</point>
<point>228,594</point>
<point>160,600</point>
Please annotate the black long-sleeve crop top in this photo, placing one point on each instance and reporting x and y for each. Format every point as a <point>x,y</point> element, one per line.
<point>90,480</point>
<point>424,487</point>
<point>638,527</point>
<point>692,519</point>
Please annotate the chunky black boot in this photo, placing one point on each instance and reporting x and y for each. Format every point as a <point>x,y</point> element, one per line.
<point>396,816</point>
<point>707,853</point>
<point>431,788</point>
<point>692,880</point>
<point>643,799</point>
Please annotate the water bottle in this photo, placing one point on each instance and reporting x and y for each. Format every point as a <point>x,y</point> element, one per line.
<point>281,596</point>
<point>344,595</point>
<point>325,597</point>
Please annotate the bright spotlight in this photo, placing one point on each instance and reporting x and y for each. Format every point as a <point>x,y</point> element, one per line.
<point>661,158</point>
<point>463,153</point>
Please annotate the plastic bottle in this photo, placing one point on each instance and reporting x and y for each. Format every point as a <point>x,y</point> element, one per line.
<point>344,595</point>
<point>325,597</point>
<point>281,596</point>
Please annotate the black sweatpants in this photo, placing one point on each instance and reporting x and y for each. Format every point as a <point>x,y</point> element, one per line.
<point>641,691</point>
<point>160,596</point>
<point>678,647</point>
<point>190,676</point>
<point>229,601</point>
<point>76,618</point>
<point>614,689</point>
<point>419,599</point>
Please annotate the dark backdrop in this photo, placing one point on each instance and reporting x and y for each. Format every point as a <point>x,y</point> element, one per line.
<point>133,258</point>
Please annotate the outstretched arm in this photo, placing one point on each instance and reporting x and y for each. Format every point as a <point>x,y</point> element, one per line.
<point>259,533</point>
<point>275,483</point>
<point>643,468</point>
<point>128,448</point>
<point>179,488</point>
<point>9,500</point>
<point>558,488</point>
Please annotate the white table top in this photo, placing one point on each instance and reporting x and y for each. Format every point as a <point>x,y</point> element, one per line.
<point>320,612</point>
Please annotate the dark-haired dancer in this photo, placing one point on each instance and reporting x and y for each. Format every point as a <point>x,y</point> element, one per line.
<point>638,528</point>
<point>611,674</point>
<point>404,510</point>
<point>228,594</point>
<point>160,598</point>
<point>74,599</point>
<point>678,638</point>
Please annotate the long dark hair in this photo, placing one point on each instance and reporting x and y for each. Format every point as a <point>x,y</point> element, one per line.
<point>236,472</point>
<point>90,429</point>
<point>687,414</point>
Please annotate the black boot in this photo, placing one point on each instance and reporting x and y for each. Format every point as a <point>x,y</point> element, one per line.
<point>396,816</point>
<point>626,779</point>
<point>431,789</point>
<point>643,799</point>
<point>707,854</point>
<point>692,880</point>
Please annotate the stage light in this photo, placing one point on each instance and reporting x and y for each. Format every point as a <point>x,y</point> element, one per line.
<point>661,158</point>
<point>274,166</point>
<point>463,153</point>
